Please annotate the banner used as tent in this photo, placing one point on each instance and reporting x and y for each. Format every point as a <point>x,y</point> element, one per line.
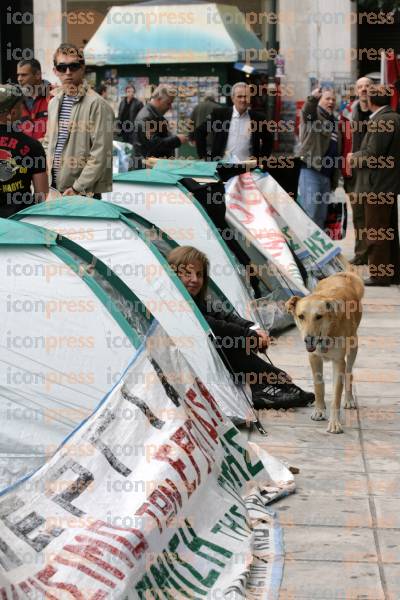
<point>57,331</point>
<point>110,237</point>
<point>319,255</point>
<point>156,495</point>
<point>173,32</point>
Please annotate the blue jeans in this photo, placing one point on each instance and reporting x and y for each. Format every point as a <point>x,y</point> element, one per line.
<point>314,195</point>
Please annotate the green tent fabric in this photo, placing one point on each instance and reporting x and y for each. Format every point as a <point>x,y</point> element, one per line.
<point>13,234</point>
<point>149,176</point>
<point>188,168</point>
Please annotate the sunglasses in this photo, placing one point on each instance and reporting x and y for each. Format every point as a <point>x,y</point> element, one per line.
<point>74,66</point>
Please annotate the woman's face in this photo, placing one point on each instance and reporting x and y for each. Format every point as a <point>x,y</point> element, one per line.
<point>192,277</point>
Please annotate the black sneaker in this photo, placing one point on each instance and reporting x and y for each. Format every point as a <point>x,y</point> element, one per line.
<point>277,397</point>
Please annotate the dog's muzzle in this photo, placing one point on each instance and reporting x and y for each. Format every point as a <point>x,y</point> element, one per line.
<point>312,343</point>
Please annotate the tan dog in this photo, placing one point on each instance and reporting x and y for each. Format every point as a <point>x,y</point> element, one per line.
<point>328,320</point>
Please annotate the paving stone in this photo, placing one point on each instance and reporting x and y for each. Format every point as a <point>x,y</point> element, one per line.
<point>377,418</point>
<point>330,543</point>
<point>392,576</point>
<point>341,511</point>
<point>318,459</point>
<point>387,512</point>
<point>389,542</point>
<point>317,483</point>
<point>313,580</point>
<point>385,484</point>
<point>314,437</point>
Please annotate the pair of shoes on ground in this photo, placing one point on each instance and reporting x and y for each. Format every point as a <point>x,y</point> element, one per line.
<point>376,283</point>
<point>282,396</point>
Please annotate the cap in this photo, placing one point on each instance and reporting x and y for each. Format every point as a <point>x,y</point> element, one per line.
<point>9,96</point>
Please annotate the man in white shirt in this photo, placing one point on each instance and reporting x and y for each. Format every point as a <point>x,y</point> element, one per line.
<point>239,133</point>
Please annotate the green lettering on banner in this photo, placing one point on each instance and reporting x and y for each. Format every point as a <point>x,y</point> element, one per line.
<point>197,543</point>
<point>317,245</point>
<point>162,576</point>
<point>286,232</point>
<point>325,247</point>
<point>243,531</point>
<point>144,586</point>
<point>253,469</point>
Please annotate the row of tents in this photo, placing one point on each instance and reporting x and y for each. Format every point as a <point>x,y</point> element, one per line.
<point>97,334</point>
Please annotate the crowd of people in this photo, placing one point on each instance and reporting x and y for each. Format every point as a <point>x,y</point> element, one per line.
<point>61,137</point>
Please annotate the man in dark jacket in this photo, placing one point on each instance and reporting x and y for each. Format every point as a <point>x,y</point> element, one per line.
<point>377,166</point>
<point>127,112</point>
<point>152,136</point>
<point>238,132</point>
<point>353,124</point>
<point>36,98</point>
<point>199,114</point>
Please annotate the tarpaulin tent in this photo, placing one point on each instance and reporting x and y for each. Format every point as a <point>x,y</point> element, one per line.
<point>56,359</point>
<point>107,235</point>
<point>177,32</point>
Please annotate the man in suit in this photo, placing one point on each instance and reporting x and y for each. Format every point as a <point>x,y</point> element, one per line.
<point>128,109</point>
<point>377,165</point>
<point>238,132</point>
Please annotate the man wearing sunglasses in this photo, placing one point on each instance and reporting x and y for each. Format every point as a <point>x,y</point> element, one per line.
<point>79,134</point>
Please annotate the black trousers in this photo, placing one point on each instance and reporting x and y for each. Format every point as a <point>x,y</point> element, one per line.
<point>252,369</point>
<point>212,199</point>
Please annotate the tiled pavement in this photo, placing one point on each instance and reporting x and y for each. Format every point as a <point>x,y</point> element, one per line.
<point>342,527</point>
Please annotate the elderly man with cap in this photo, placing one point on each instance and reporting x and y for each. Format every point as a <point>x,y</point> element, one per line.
<point>22,158</point>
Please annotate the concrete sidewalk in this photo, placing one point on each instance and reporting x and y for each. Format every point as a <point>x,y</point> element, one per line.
<point>342,527</point>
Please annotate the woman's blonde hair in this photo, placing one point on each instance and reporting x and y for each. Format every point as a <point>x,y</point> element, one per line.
<point>182,256</point>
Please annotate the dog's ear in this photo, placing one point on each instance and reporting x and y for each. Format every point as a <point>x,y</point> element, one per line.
<point>290,305</point>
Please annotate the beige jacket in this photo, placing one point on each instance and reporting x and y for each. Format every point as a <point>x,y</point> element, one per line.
<point>86,160</point>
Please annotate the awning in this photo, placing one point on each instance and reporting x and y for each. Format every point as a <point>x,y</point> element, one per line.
<point>173,33</point>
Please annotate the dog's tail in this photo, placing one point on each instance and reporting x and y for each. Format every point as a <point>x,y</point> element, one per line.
<point>355,281</point>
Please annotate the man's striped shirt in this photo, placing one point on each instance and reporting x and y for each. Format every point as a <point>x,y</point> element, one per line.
<point>64,120</point>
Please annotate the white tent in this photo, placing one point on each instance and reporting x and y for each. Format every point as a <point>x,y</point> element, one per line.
<point>160,199</point>
<point>56,347</point>
<point>108,235</point>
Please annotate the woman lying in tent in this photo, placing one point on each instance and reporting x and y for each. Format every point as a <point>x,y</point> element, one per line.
<point>236,339</point>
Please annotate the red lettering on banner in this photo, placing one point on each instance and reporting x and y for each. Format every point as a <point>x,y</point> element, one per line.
<point>94,554</point>
<point>210,430</point>
<point>84,539</point>
<point>4,594</point>
<point>84,569</point>
<point>45,594</point>
<point>45,575</point>
<point>24,587</point>
<point>246,217</point>
<point>145,508</point>
<point>210,398</point>
<point>137,550</point>
<point>173,494</point>
<point>182,438</point>
<point>163,454</point>
<point>247,181</point>
<point>194,432</point>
